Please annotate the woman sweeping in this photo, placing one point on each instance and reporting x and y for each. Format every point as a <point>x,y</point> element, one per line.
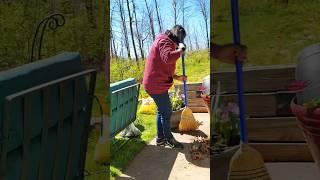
<point>160,72</point>
<point>158,78</point>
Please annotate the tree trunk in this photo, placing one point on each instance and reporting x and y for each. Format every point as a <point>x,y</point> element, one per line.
<point>196,40</point>
<point>159,17</point>
<point>174,5</point>
<point>205,13</point>
<point>131,31</point>
<point>108,32</point>
<point>139,35</point>
<point>124,27</point>
<point>150,20</point>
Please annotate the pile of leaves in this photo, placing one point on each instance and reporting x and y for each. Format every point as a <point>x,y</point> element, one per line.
<point>200,148</point>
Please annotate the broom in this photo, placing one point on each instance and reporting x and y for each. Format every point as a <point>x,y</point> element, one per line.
<point>187,122</point>
<point>247,163</point>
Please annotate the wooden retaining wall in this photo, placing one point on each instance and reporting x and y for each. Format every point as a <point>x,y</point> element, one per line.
<point>272,128</point>
<point>195,101</point>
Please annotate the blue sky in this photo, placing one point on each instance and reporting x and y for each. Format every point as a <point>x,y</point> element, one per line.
<point>194,23</point>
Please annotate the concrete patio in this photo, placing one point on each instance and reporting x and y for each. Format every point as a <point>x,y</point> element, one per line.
<point>158,163</point>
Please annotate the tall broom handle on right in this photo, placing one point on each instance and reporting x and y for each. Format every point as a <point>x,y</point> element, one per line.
<point>241,101</point>
<point>184,82</point>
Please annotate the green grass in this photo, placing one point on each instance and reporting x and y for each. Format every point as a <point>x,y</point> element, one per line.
<point>120,159</point>
<point>273,32</point>
<point>197,67</point>
<point>196,62</point>
<point>146,124</point>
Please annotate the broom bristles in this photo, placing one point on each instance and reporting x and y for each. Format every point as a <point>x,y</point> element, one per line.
<point>247,163</point>
<point>188,122</point>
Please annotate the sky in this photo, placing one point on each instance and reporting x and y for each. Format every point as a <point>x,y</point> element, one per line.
<point>194,23</point>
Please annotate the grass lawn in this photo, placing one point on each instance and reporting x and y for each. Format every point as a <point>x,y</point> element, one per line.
<point>120,159</point>
<point>274,33</point>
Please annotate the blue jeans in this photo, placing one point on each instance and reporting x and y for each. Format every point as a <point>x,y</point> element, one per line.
<point>164,111</point>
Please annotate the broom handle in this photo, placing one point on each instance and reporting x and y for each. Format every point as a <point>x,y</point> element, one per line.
<point>236,38</point>
<point>184,82</point>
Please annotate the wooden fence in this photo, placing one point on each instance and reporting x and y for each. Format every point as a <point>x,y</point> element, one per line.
<point>195,101</point>
<point>272,128</point>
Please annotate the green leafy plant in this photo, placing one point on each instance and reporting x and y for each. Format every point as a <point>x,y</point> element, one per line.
<point>177,100</point>
<point>226,126</point>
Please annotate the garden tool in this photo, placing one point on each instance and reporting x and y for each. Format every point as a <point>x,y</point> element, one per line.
<point>247,163</point>
<point>187,122</point>
<point>102,149</point>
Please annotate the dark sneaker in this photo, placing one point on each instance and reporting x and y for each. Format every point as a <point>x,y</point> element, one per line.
<point>161,142</point>
<point>174,143</point>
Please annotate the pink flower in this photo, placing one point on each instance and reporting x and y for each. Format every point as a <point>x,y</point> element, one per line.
<point>298,85</point>
<point>233,108</point>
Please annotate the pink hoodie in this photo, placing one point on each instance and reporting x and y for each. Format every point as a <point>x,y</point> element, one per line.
<point>160,65</point>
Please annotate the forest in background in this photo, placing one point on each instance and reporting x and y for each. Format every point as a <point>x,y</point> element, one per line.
<point>136,23</point>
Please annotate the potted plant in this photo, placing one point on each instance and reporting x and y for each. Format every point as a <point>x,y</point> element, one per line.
<point>177,101</point>
<point>226,138</point>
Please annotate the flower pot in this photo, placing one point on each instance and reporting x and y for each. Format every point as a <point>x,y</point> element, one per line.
<point>220,163</point>
<point>175,118</point>
<point>310,128</point>
<point>207,101</point>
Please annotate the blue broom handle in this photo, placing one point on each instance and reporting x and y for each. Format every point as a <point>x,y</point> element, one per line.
<point>184,82</point>
<point>236,38</point>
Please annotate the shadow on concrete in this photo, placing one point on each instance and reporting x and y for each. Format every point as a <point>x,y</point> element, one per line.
<point>194,133</point>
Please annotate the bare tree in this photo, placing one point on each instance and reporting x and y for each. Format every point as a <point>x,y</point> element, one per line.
<point>150,16</point>
<point>196,39</point>
<point>183,12</point>
<point>131,31</point>
<point>145,31</point>
<point>188,38</point>
<point>124,27</point>
<point>203,5</point>
<point>138,33</point>
<point>108,32</point>
<point>112,37</point>
<point>175,12</point>
<point>158,17</point>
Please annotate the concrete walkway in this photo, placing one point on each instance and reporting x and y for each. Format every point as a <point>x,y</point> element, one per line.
<point>157,163</point>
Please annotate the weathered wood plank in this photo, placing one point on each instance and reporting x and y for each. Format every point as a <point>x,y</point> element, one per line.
<point>274,129</point>
<point>193,94</point>
<point>190,86</point>
<point>197,102</point>
<point>264,104</point>
<point>257,79</point>
<point>283,152</point>
<point>199,109</point>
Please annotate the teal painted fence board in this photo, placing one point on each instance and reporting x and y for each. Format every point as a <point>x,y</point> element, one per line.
<point>124,102</point>
<point>59,97</point>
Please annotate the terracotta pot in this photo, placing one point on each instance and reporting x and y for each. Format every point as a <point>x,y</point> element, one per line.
<point>311,130</point>
<point>220,163</point>
<point>175,118</point>
<point>207,101</point>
